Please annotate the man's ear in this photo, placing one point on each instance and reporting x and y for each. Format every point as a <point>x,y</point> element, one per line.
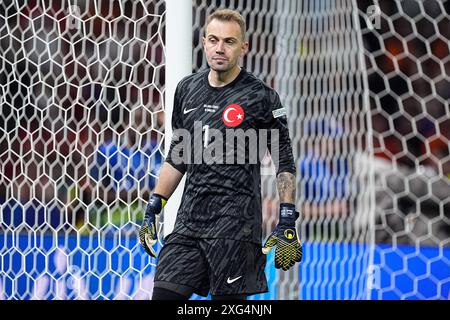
<point>244,48</point>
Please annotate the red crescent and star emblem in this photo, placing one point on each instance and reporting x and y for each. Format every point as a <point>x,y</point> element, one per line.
<point>233,115</point>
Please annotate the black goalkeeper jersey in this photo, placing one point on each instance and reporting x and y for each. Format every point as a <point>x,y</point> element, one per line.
<point>222,199</point>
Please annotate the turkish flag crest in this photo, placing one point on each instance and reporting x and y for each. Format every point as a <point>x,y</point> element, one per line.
<point>233,115</point>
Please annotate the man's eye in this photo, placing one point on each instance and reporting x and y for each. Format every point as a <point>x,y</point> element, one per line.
<point>212,40</point>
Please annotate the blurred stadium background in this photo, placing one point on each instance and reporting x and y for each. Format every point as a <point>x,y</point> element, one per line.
<point>82,127</point>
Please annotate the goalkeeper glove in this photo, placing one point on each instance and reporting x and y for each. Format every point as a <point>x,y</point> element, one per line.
<point>284,237</point>
<point>147,234</point>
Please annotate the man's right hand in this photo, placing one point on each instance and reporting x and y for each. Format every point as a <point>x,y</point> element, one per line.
<point>148,235</point>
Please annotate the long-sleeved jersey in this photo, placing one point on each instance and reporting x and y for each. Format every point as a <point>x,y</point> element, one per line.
<point>214,144</point>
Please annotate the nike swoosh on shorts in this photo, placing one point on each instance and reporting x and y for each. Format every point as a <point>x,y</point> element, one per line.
<point>230,281</point>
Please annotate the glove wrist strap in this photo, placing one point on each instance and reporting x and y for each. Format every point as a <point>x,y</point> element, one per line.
<point>156,203</point>
<point>288,212</point>
<point>163,199</point>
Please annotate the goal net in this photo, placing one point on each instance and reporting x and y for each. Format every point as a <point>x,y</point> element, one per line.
<point>81,139</point>
<point>406,53</point>
<point>366,85</point>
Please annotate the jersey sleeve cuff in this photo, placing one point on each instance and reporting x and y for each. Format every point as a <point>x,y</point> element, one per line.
<point>180,167</point>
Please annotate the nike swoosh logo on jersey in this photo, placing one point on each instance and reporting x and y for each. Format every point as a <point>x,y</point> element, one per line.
<point>189,110</point>
<point>230,281</point>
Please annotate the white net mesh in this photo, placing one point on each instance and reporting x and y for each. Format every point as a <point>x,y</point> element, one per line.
<point>408,67</point>
<point>81,143</point>
<point>366,84</point>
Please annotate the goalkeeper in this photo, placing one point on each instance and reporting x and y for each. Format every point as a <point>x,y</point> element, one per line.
<point>215,246</point>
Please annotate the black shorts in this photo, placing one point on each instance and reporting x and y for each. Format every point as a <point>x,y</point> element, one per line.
<point>219,266</point>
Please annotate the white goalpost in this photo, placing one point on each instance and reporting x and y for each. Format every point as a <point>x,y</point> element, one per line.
<point>178,65</point>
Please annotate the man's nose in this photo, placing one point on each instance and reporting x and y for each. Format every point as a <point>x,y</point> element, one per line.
<point>219,49</point>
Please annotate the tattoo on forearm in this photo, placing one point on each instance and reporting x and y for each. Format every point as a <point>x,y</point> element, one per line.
<point>286,187</point>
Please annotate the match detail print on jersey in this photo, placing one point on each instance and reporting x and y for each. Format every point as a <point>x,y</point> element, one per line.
<point>233,115</point>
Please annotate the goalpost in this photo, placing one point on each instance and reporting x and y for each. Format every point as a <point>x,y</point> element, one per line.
<point>179,65</point>
<point>86,97</point>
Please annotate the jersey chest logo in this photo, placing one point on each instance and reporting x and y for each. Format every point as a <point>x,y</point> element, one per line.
<point>233,115</point>
<point>186,111</point>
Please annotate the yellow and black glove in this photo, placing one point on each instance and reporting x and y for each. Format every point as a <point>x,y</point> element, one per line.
<point>148,235</point>
<point>288,245</point>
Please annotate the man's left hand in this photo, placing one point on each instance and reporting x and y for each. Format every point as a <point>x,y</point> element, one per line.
<point>288,245</point>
